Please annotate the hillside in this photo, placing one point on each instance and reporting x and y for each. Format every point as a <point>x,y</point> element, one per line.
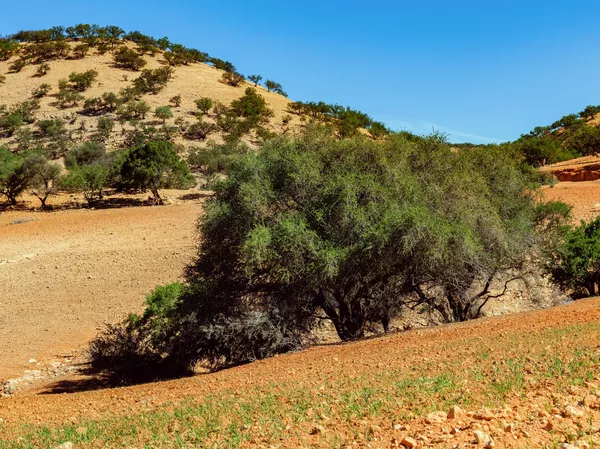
<point>191,82</point>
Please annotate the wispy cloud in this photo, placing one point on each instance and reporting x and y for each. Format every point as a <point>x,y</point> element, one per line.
<point>424,127</point>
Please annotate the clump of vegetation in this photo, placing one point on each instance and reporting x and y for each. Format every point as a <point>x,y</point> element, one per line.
<point>232,78</point>
<point>349,230</point>
<point>82,81</point>
<point>163,113</point>
<point>129,59</point>
<point>153,166</point>
<point>272,86</point>
<point>153,81</point>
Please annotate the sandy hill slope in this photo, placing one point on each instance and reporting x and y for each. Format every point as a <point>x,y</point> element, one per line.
<point>189,81</point>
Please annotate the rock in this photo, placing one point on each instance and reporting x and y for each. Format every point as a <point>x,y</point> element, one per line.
<point>510,428</point>
<point>398,427</point>
<point>435,417</point>
<point>455,412</point>
<point>408,442</point>
<point>582,444</point>
<point>567,446</point>
<point>66,445</point>
<point>573,412</point>
<point>454,431</point>
<point>32,361</point>
<point>484,414</point>
<point>317,430</point>
<point>549,425</point>
<point>483,438</point>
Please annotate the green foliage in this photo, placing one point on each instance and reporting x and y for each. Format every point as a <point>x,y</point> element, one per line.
<point>51,128</point>
<point>43,177</point>
<point>126,58</point>
<point>81,50</point>
<point>42,70</point>
<point>153,81</point>
<point>88,153</point>
<point>133,110</point>
<point>163,113</point>
<point>354,229</point>
<point>82,81</point>
<point>8,48</point>
<point>252,107</point>
<point>255,79</point>
<point>175,101</point>
<point>204,104</point>
<point>10,123</point>
<point>88,179</point>
<point>41,91</point>
<point>17,65</point>
<point>153,166</point>
<point>232,78</point>
<point>272,86</point>
<point>576,264</point>
<point>200,130</point>
<point>215,158</point>
<point>13,179</point>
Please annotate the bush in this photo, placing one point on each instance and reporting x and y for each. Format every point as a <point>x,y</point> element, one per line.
<point>232,78</point>
<point>82,81</point>
<point>163,113</point>
<point>175,101</point>
<point>353,230</point>
<point>43,177</point>
<point>153,81</point>
<point>204,104</point>
<point>272,86</point>
<point>133,110</point>
<point>13,179</point>
<point>17,66</point>
<point>41,90</point>
<point>576,264</point>
<point>88,153</point>
<point>255,79</point>
<point>90,180</point>
<point>42,70</point>
<point>200,130</point>
<point>153,166</point>
<point>126,58</point>
<point>81,50</point>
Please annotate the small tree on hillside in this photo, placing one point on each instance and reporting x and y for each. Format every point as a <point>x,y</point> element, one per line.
<point>153,166</point>
<point>13,179</point>
<point>128,59</point>
<point>43,177</point>
<point>272,86</point>
<point>163,113</point>
<point>204,104</point>
<point>255,79</point>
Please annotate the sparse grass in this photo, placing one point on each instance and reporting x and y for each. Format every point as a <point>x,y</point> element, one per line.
<point>284,413</point>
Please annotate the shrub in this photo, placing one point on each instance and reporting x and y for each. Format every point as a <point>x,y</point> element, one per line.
<point>17,66</point>
<point>204,104</point>
<point>42,70</point>
<point>8,48</point>
<point>153,81</point>
<point>43,177</point>
<point>13,179</point>
<point>41,90</point>
<point>153,166</point>
<point>133,110</point>
<point>175,101</point>
<point>90,180</point>
<point>232,78</point>
<point>272,86</point>
<point>255,79</point>
<point>10,123</point>
<point>104,128</point>
<point>82,81</point>
<point>128,59</point>
<point>200,130</point>
<point>88,153</point>
<point>51,128</point>
<point>81,50</point>
<point>163,113</point>
<point>576,264</point>
<point>352,229</point>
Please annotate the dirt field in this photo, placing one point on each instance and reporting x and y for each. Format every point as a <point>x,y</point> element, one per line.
<point>63,274</point>
<point>584,196</point>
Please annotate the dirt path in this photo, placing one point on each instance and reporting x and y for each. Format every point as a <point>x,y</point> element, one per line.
<point>63,274</point>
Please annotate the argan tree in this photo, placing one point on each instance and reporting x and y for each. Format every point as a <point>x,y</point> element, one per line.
<point>351,231</point>
<point>155,165</point>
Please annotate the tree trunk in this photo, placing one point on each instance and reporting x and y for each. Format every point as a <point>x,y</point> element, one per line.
<point>157,199</point>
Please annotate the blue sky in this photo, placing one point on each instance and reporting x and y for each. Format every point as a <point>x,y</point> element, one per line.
<point>480,71</point>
